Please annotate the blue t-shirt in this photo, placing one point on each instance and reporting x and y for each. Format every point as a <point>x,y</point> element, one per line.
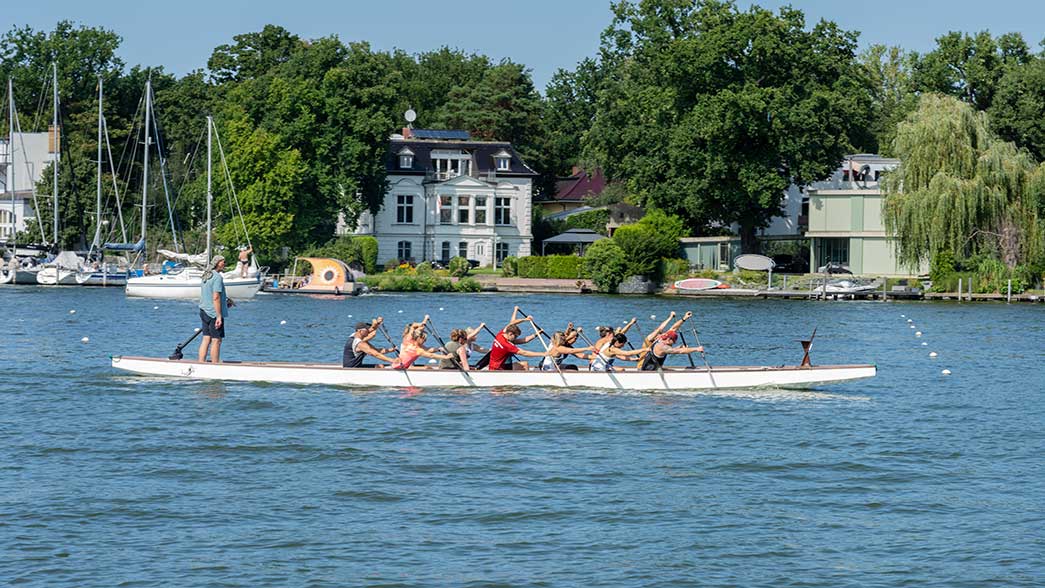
<point>216,283</point>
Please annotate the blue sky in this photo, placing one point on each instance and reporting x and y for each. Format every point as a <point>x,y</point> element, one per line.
<point>543,34</point>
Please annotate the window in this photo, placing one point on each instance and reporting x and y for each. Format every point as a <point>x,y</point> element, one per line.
<point>406,161</point>
<point>403,250</point>
<point>445,251</point>
<point>832,250</point>
<point>480,210</point>
<point>480,250</point>
<point>446,210</point>
<point>723,255</point>
<point>462,249</point>
<point>404,208</point>
<point>502,213</point>
<point>501,252</point>
<point>504,164</point>
<point>463,206</point>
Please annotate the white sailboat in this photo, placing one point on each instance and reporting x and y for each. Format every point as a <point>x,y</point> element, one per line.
<point>187,282</point>
<point>21,266</point>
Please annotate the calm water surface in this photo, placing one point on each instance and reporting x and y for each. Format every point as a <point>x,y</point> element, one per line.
<point>910,479</point>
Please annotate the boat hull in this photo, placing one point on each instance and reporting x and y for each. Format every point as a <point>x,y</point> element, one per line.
<point>178,287</point>
<point>330,374</point>
<point>51,276</point>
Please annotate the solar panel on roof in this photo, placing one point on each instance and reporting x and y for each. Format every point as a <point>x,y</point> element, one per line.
<point>442,135</point>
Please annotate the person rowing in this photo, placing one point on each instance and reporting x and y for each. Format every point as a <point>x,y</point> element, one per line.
<point>654,336</point>
<point>506,343</point>
<point>611,351</point>
<point>461,346</point>
<point>655,356</point>
<point>358,346</point>
<point>606,333</point>
<point>413,348</point>
<point>561,346</point>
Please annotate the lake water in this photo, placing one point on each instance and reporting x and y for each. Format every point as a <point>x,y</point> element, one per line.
<point>912,478</point>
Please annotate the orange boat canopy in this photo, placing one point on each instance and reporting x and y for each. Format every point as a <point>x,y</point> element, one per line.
<point>328,274</point>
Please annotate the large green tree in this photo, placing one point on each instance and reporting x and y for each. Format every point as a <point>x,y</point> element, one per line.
<point>969,67</point>
<point>959,189</point>
<point>711,112</point>
<point>1018,109</point>
<point>888,71</point>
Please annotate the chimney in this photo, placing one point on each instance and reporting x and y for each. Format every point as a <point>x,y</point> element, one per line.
<point>407,133</point>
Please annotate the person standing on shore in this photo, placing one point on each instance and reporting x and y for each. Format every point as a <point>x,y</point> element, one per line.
<point>214,307</point>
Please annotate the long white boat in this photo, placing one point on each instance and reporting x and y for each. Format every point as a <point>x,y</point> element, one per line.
<point>186,285</point>
<point>333,374</point>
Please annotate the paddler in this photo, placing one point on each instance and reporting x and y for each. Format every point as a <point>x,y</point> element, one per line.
<point>414,336</point>
<point>358,346</point>
<point>654,358</point>
<point>506,343</point>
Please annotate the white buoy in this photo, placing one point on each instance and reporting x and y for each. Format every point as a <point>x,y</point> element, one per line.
<point>399,311</point>
<point>910,321</point>
<point>440,308</point>
<point>197,330</point>
<point>924,343</point>
<point>85,340</point>
<point>933,354</point>
<point>912,326</point>
<point>903,316</point>
<point>946,372</point>
<point>155,307</point>
<point>282,322</point>
<point>652,316</point>
<point>917,333</point>
<point>349,316</point>
<point>72,312</point>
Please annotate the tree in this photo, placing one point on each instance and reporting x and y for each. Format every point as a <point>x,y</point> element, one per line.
<point>959,189</point>
<point>252,54</point>
<point>888,69</point>
<point>711,113</point>
<point>568,113</point>
<point>969,67</point>
<point>607,265</point>
<point>1017,113</point>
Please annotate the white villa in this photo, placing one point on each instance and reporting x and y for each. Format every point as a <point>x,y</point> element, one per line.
<point>450,196</point>
<point>32,153</point>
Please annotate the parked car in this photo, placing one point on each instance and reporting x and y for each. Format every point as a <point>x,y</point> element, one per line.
<point>790,264</point>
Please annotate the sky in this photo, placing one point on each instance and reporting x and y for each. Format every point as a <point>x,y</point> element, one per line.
<point>544,35</point>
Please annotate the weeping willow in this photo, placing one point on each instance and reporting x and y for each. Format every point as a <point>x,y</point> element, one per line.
<point>959,189</point>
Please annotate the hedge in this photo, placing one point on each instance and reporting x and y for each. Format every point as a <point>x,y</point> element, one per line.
<point>558,267</point>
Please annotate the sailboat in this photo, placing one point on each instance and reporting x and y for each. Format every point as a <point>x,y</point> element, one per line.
<point>20,267</point>
<point>63,268</point>
<point>187,282</point>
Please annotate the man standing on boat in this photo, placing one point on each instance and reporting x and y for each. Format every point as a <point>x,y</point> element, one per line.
<point>214,307</point>
<point>358,347</point>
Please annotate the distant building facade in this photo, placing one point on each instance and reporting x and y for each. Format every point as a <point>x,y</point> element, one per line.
<point>451,196</point>
<point>32,153</point>
<point>845,219</point>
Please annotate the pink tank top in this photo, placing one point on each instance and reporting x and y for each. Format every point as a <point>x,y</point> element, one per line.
<point>407,357</point>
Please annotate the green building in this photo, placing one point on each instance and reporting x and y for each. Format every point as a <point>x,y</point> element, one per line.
<point>845,220</point>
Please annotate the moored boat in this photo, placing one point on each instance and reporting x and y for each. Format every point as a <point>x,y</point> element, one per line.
<point>186,285</point>
<point>333,374</point>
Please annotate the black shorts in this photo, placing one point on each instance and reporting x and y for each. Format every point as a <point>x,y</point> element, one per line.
<point>208,329</point>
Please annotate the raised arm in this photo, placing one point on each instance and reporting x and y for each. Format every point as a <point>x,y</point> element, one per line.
<point>656,332</point>
<point>627,326</point>
<point>678,323</point>
<point>372,332</point>
<point>473,332</point>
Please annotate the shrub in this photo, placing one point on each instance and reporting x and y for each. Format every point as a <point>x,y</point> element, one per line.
<point>368,253</point>
<point>607,265</point>
<point>395,282</point>
<point>391,264</point>
<point>424,269</point>
<point>673,269</point>
<point>458,267</point>
<point>562,267</point>
<point>510,266</point>
<point>532,267</point>
<point>640,252</point>
<point>467,285</point>
<point>594,220</point>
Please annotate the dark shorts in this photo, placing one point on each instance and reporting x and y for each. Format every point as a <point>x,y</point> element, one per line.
<point>208,329</point>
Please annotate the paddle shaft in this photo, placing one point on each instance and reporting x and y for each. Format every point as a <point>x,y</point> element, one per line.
<point>384,332</point>
<point>703,355</point>
<point>453,356</point>
<point>537,331</point>
<point>689,356</point>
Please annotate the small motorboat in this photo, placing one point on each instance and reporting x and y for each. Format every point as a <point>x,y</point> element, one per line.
<point>699,284</point>
<point>329,277</point>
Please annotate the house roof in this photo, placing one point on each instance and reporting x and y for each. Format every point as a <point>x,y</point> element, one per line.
<point>579,186</point>
<point>576,236</point>
<point>483,154</point>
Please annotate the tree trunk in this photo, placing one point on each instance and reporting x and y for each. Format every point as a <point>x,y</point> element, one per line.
<point>748,241</point>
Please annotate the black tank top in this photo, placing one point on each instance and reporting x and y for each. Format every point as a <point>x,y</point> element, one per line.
<point>652,362</point>
<point>351,357</point>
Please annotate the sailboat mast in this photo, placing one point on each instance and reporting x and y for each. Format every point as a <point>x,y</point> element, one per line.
<point>145,166</point>
<point>210,198</point>
<point>54,72</point>
<point>11,156</point>
<point>98,194</point>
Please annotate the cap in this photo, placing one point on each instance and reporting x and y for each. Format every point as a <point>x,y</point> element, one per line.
<point>362,325</point>
<point>671,336</point>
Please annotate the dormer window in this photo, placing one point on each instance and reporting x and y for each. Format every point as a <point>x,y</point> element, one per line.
<point>503,160</point>
<point>406,158</point>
